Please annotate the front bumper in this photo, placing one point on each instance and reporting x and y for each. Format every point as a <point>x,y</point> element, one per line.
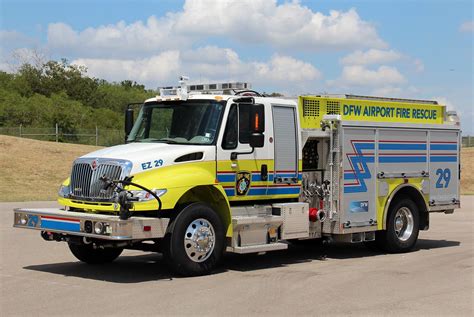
<point>76,223</point>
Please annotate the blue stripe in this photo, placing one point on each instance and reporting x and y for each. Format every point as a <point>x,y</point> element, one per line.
<point>352,189</point>
<point>402,146</point>
<point>360,158</point>
<point>364,146</point>
<point>402,159</point>
<point>283,190</point>
<point>257,191</point>
<point>229,192</point>
<point>435,158</point>
<point>268,191</point>
<point>58,225</point>
<point>226,178</point>
<point>448,147</point>
<point>349,176</point>
<point>256,177</point>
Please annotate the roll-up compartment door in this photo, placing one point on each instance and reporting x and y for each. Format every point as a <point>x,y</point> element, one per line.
<point>286,144</point>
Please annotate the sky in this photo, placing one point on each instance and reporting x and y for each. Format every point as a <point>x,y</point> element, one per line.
<point>408,49</point>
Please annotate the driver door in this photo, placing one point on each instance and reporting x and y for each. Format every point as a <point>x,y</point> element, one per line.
<point>244,174</point>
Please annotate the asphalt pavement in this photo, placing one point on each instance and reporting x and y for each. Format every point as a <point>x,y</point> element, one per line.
<point>43,279</point>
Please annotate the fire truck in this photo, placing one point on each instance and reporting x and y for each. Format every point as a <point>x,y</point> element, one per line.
<point>214,168</point>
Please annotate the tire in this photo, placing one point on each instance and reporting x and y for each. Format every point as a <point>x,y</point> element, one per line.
<point>195,240</point>
<point>89,255</point>
<point>403,221</point>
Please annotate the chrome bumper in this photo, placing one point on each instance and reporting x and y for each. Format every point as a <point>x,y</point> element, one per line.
<point>79,224</point>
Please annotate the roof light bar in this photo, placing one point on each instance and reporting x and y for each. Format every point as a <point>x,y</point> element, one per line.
<point>219,87</point>
<point>181,92</point>
<point>175,93</point>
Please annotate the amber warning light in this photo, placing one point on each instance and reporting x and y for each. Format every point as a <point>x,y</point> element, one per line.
<point>256,122</point>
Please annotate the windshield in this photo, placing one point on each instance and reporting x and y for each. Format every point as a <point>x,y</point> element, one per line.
<point>182,122</point>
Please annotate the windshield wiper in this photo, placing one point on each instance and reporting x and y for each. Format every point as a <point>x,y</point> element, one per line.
<point>167,140</point>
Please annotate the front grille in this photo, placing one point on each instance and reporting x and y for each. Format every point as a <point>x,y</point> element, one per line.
<point>85,182</point>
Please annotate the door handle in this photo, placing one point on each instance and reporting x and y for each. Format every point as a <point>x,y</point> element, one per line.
<point>264,172</point>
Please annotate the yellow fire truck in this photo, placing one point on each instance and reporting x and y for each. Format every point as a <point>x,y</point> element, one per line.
<point>218,167</point>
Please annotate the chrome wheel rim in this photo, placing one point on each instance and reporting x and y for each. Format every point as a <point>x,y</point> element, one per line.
<point>403,224</point>
<point>199,240</point>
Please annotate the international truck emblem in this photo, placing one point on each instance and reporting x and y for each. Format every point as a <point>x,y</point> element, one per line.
<point>243,183</point>
<point>94,165</point>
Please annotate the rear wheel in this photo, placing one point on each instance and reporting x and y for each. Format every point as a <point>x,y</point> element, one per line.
<point>86,253</point>
<point>195,241</point>
<point>402,227</point>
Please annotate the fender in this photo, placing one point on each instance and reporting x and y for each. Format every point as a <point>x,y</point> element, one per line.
<point>393,194</point>
<point>176,179</point>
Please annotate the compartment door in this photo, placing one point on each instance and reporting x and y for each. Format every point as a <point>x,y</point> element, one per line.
<point>286,144</point>
<point>444,167</point>
<point>359,203</point>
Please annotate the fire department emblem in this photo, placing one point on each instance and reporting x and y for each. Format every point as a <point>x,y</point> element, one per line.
<point>243,183</point>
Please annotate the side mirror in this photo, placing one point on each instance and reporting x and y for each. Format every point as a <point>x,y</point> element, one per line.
<point>128,121</point>
<point>257,140</point>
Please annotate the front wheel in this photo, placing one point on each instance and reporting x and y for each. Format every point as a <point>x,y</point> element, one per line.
<point>86,253</point>
<point>402,227</point>
<point>195,241</point>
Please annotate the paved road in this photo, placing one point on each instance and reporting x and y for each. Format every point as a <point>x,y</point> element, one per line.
<point>43,278</point>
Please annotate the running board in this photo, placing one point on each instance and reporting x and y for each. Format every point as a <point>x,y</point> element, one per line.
<point>258,248</point>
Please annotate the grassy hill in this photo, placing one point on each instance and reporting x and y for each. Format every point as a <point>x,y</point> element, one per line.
<point>33,170</point>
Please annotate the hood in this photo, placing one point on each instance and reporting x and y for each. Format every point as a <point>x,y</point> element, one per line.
<point>148,156</point>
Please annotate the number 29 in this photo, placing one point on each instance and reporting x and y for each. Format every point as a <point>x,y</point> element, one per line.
<point>444,177</point>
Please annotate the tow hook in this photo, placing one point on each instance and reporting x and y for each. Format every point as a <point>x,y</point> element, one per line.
<point>52,236</point>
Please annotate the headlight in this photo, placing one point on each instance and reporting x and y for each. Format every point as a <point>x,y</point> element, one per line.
<point>64,191</point>
<point>99,227</point>
<point>23,219</point>
<point>143,195</point>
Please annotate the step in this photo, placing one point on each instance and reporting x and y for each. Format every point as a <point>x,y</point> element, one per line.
<point>249,220</point>
<point>258,248</point>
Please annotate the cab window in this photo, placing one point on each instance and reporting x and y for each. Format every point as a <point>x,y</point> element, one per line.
<point>231,130</point>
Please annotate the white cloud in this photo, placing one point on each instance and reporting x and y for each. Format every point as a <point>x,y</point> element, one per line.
<point>372,56</point>
<point>213,62</point>
<point>283,25</point>
<point>286,25</point>
<point>208,63</point>
<point>153,70</point>
<point>137,39</point>
<point>13,39</point>
<point>286,69</point>
<point>360,76</point>
<point>467,26</point>
<point>13,48</point>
